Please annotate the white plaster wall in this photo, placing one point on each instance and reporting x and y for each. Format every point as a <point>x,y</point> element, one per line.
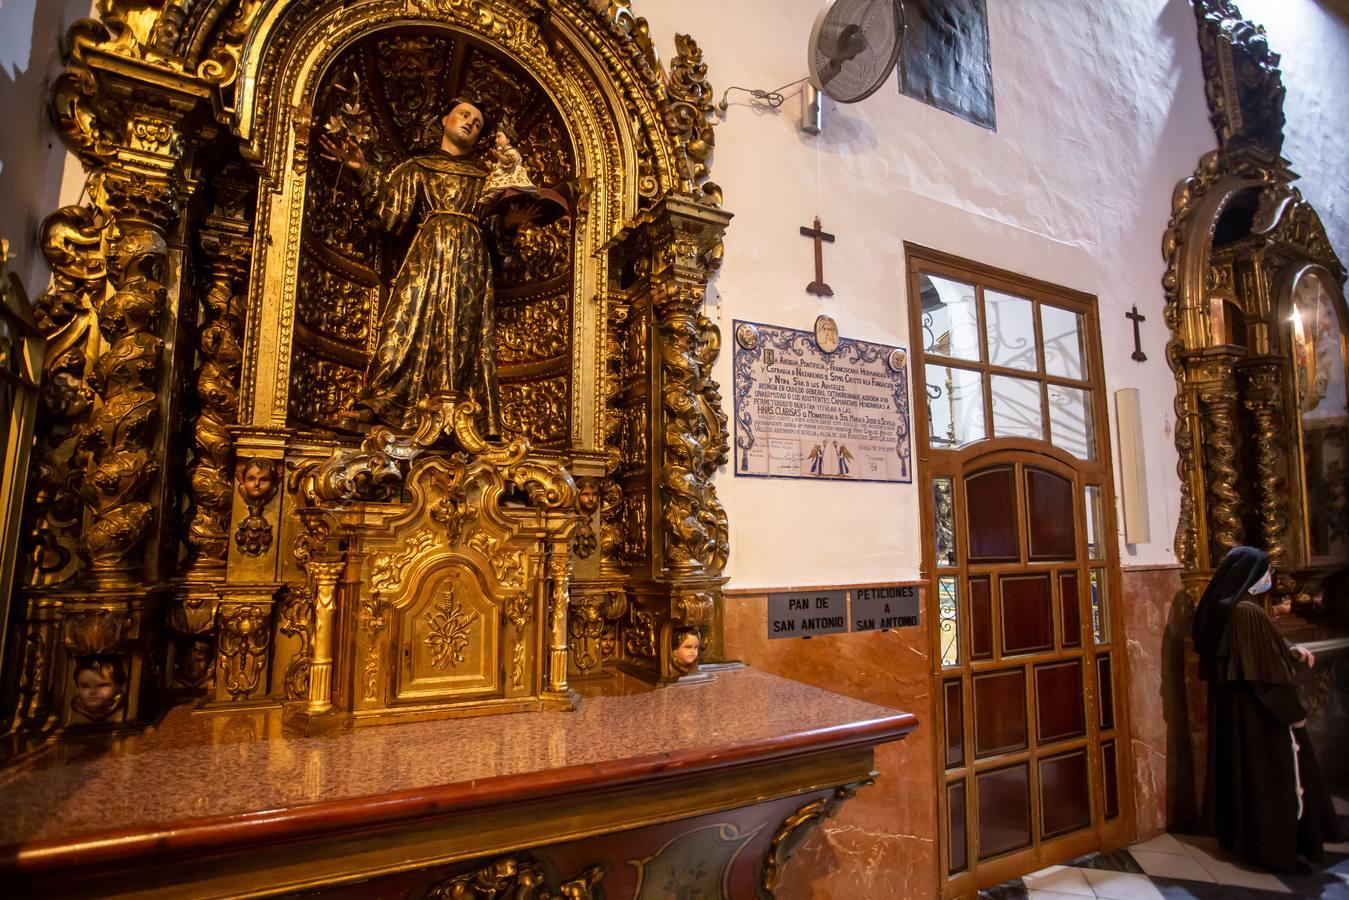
<point>1314,43</point>
<point>36,175</point>
<point>1100,111</point>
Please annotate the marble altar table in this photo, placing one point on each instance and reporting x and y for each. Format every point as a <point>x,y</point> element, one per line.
<point>698,789</point>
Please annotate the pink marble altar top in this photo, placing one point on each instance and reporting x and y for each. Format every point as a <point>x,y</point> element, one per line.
<point>204,774</point>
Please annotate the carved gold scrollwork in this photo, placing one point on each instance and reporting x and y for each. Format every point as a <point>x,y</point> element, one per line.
<point>1241,77</point>
<point>796,828</point>
<point>521,878</point>
<point>72,242</point>
<point>691,112</point>
<point>387,569</point>
<point>296,620</point>
<point>221,64</point>
<point>592,616</point>
<point>244,638</point>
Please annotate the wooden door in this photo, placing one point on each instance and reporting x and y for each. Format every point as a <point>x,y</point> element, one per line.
<point>1020,551</point>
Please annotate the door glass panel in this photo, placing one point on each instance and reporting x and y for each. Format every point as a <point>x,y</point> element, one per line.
<point>1016,408</point>
<point>981,618</point>
<point>1011,331</point>
<point>944,512</point>
<point>1004,810</point>
<point>1094,548</point>
<point>950,318</point>
<point>1106,691</point>
<point>1062,330</point>
<point>955,812</point>
<point>948,615</point>
<point>1000,712</point>
<point>955,407</point>
<point>955,722</point>
<point>993,531</point>
<point>1065,799</point>
<point>1108,763</point>
<point>1027,618</point>
<point>1049,511</point>
<point>1070,420</point>
<point>1058,701</point>
<point>1070,612</point>
<point>1098,600</point>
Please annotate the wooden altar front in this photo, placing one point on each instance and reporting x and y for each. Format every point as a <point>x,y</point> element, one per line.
<point>710,789</point>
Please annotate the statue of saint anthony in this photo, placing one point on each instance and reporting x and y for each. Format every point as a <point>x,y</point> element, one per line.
<point>437,332</point>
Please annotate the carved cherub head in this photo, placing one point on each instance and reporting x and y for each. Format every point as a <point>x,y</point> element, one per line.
<point>257,481</point>
<point>685,646</point>
<point>99,687</point>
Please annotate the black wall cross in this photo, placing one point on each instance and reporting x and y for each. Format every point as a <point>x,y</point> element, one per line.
<point>1138,345</point>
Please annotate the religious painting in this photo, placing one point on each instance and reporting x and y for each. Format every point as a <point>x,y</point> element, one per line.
<point>1323,404</point>
<point>945,59</point>
<point>804,411</point>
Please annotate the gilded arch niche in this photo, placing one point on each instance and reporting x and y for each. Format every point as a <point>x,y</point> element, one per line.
<point>176,527</point>
<point>1238,238</point>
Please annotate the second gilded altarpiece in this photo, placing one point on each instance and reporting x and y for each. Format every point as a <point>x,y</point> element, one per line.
<point>205,520</point>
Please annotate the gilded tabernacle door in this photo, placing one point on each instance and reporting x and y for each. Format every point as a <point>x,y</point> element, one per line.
<point>432,273</point>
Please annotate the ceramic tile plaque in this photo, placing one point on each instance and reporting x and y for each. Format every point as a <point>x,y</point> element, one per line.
<point>803,412</point>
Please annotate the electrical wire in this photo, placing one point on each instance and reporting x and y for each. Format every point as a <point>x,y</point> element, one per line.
<point>773,99</point>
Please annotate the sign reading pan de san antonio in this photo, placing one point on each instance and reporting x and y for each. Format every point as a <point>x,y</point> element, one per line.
<point>813,405</point>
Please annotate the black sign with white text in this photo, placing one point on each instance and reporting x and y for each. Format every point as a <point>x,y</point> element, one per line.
<point>883,608</point>
<point>807,613</point>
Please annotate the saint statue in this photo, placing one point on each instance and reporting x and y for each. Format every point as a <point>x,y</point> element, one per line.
<point>437,332</point>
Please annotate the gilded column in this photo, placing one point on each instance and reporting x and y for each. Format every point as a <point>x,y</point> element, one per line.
<point>1218,410</point>
<point>559,579</point>
<point>1264,399</point>
<point>227,246</point>
<point>688,533</point>
<point>91,618</point>
<point>325,576</point>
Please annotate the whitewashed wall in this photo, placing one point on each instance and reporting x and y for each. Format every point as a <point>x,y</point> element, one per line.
<point>1100,111</point>
<point>36,175</point>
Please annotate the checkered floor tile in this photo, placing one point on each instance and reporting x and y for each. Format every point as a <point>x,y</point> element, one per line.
<point>1183,867</point>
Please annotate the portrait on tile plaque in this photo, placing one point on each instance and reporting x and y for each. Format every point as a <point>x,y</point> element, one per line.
<point>804,412</point>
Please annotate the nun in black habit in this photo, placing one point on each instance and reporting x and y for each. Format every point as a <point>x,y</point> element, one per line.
<point>1264,797</point>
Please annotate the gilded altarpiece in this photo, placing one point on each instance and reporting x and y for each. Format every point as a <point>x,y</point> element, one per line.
<point>1255,297</point>
<point>205,521</point>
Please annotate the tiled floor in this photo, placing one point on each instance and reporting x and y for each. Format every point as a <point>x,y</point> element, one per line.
<point>1178,866</point>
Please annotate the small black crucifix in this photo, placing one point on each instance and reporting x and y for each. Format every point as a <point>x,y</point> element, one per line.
<point>818,287</point>
<point>1138,345</point>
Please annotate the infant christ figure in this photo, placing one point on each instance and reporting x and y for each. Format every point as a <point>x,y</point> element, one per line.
<point>437,332</point>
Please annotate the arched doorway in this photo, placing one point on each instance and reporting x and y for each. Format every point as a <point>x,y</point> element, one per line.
<point>1030,731</point>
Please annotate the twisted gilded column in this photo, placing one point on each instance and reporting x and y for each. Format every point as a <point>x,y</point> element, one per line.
<point>678,582</point>
<point>1218,411</point>
<point>227,246</point>
<point>1264,400</point>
